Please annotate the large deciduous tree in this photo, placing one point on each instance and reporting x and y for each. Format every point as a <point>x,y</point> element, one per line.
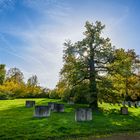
<point>88,59</point>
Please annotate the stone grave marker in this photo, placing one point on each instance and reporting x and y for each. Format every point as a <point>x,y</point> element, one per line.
<point>138,103</point>
<point>124,110</point>
<point>89,114</point>
<point>129,103</point>
<point>126,103</point>
<point>70,102</point>
<point>133,104</point>
<point>30,103</point>
<point>58,107</point>
<point>123,103</point>
<point>51,105</point>
<point>83,114</point>
<point>42,111</point>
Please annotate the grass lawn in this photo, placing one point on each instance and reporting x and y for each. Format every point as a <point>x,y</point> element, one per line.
<point>17,122</point>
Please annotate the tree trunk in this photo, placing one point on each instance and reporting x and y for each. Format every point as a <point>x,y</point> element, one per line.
<point>93,88</point>
<point>93,94</point>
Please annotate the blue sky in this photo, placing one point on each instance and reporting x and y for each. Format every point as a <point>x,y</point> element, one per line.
<point>32,32</point>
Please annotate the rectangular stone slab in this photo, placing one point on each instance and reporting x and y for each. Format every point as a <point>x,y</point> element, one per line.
<point>29,103</point>
<point>70,102</point>
<point>59,107</point>
<point>51,105</point>
<point>83,114</point>
<point>124,110</point>
<point>42,111</point>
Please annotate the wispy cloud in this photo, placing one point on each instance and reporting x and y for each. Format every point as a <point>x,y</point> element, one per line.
<point>41,52</point>
<point>6,4</point>
<point>7,47</point>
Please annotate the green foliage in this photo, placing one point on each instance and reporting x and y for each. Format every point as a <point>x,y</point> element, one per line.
<point>4,96</point>
<point>110,72</point>
<point>93,71</point>
<point>107,92</point>
<point>13,89</point>
<point>78,93</point>
<point>32,81</point>
<point>53,94</point>
<point>14,86</point>
<point>66,96</point>
<point>14,74</point>
<point>124,73</point>
<point>17,121</point>
<point>86,59</point>
<point>2,73</point>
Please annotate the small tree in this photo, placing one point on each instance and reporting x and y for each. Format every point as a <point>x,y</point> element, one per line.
<point>33,81</point>
<point>124,70</point>
<point>14,74</point>
<point>2,73</point>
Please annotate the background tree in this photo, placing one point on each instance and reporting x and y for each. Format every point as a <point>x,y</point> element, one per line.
<point>33,81</point>
<point>33,89</point>
<point>123,72</point>
<point>2,73</point>
<point>88,59</point>
<point>15,87</point>
<point>14,74</point>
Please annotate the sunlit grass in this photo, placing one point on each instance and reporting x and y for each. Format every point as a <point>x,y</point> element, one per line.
<point>17,121</point>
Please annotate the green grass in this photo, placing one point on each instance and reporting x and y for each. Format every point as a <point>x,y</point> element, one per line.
<point>17,122</point>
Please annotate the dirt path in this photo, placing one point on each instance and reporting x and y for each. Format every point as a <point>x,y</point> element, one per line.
<point>135,136</point>
<point>118,137</point>
<point>121,138</point>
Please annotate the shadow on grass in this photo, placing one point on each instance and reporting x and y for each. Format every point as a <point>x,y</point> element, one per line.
<point>19,122</point>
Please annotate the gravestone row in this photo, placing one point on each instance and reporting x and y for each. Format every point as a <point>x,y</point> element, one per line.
<point>128,103</point>
<point>30,104</point>
<point>43,110</point>
<point>131,104</point>
<point>81,114</point>
<point>56,107</point>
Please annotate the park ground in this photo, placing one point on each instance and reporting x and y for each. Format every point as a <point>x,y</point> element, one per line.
<point>17,122</point>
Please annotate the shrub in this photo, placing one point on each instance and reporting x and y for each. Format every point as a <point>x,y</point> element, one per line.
<point>4,96</point>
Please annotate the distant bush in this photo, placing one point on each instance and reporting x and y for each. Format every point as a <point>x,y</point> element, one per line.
<point>53,94</point>
<point>4,96</point>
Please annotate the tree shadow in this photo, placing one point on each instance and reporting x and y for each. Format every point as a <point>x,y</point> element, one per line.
<point>19,121</point>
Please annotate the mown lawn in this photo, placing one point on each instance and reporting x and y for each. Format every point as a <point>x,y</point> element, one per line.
<point>17,122</point>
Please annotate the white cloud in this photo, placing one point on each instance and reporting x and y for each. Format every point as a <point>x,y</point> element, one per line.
<point>42,51</point>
